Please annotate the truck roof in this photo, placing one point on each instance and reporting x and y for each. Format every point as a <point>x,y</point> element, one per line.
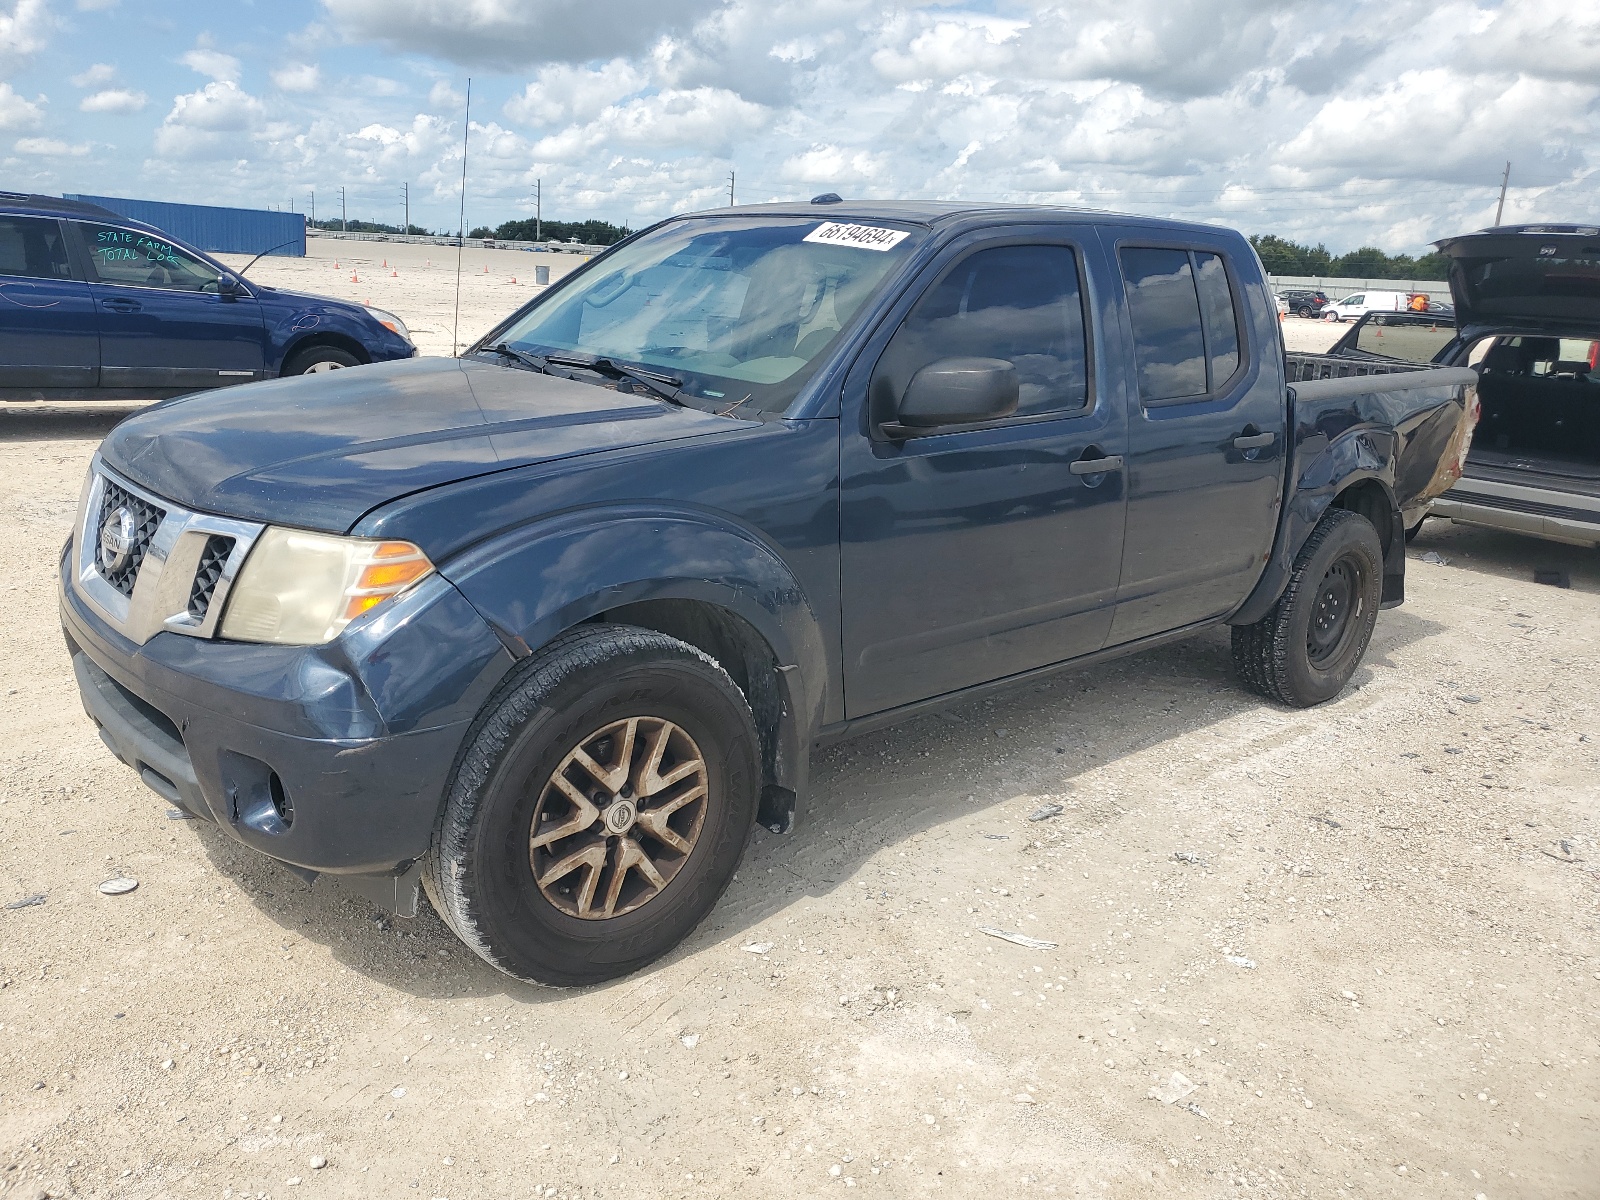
<point>935,213</point>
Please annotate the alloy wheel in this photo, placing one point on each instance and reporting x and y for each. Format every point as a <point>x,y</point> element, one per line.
<point>618,818</point>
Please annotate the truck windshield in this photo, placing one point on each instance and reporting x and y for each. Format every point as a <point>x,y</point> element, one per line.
<point>741,309</point>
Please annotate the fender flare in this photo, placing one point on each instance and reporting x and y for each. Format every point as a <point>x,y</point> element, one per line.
<point>1357,455</point>
<point>537,581</point>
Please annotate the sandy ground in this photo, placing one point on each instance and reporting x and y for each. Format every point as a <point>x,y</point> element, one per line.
<point>416,283</point>
<point>1365,934</point>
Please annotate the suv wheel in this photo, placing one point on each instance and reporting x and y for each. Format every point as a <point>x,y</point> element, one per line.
<point>599,810</point>
<point>1305,649</point>
<point>319,358</point>
<point>1303,311</point>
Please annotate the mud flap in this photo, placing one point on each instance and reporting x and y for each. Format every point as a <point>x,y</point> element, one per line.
<point>1394,565</point>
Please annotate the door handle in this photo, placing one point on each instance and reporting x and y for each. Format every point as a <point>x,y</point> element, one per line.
<point>117,304</point>
<point>1254,441</point>
<point>1096,466</point>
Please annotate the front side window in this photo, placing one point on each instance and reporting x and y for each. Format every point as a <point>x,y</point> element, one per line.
<point>1019,303</point>
<point>33,248</point>
<point>742,310</point>
<point>129,256</point>
<point>1185,321</point>
<point>1353,300</point>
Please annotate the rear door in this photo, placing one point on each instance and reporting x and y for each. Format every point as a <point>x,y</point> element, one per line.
<point>1205,441</point>
<point>164,323</point>
<point>48,340</point>
<point>980,551</point>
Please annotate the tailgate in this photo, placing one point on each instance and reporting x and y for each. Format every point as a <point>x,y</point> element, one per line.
<point>1544,277</point>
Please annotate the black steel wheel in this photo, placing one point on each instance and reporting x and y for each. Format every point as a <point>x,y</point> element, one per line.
<point>1305,649</point>
<point>602,804</point>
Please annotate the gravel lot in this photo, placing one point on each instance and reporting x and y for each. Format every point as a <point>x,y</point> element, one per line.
<point>1365,935</point>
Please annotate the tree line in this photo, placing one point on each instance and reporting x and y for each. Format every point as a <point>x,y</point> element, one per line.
<point>590,233</point>
<point>1283,257</point>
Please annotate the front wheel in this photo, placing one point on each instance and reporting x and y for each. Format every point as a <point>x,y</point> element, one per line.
<point>316,359</point>
<point>1305,649</point>
<point>1303,311</point>
<point>600,809</point>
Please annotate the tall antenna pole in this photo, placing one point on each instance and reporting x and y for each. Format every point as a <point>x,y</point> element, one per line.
<point>1504,179</point>
<point>538,210</point>
<point>730,189</point>
<point>461,241</point>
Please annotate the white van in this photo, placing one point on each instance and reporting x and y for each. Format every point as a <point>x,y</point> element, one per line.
<point>1352,308</point>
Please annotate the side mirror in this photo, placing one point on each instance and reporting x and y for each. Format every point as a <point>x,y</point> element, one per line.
<point>229,287</point>
<point>956,391</point>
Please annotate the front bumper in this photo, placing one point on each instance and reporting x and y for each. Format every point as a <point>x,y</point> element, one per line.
<point>328,758</point>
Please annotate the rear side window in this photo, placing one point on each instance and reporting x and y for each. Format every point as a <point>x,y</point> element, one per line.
<point>128,256</point>
<point>1185,321</point>
<point>1019,303</point>
<point>33,248</point>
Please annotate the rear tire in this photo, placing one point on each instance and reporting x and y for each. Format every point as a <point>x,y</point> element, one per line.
<point>553,859</point>
<point>315,359</point>
<point>1305,649</point>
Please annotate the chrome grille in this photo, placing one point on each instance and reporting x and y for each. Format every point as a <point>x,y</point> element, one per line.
<point>150,566</point>
<point>119,564</point>
<point>212,559</point>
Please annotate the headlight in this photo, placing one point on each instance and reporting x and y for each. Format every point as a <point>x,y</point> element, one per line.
<point>302,589</point>
<point>391,322</point>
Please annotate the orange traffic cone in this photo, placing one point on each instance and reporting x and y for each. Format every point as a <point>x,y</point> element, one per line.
<point>513,279</point>
<point>336,264</point>
<point>386,262</point>
<point>485,268</point>
<point>394,274</point>
<point>353,278</point>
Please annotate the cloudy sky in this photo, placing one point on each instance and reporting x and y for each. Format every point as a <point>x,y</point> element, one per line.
<point>1381,122</point>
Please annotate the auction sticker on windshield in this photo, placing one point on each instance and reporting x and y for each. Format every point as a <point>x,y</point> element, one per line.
<point>863,237</point>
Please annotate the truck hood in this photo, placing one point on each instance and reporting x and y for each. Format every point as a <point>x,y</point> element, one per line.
<point>1540,278</point>
<point>319,451</point>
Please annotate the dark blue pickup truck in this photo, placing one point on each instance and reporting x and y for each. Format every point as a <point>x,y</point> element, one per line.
<point>547,628</point>
<point>94,306</point>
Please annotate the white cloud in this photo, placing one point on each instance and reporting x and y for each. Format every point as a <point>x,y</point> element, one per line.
<point>96,5</point>
<point>96,76</point>
<point>115,100</point>
<point>830,164</point>
<point>297,77</point>
<point>562,93</point>
<point>18,112</point>
<point>51,148</point>
<point>24,28</point>
<point>208,123</point>
<point>219,66</point>
<point>709,119</point>
<point>443,95</point>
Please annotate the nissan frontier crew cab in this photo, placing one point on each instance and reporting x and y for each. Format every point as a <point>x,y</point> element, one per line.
<point>546,629</point>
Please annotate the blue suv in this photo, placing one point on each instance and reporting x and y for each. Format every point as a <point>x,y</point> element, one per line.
<point>94,306</point>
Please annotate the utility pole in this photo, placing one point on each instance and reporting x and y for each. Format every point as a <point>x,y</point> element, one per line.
<point>406,190</point>
<point>538,210</point>
<point>730,189</point>
<point>1504,179</point>
<point>344,215</point>
<point>313,206</point>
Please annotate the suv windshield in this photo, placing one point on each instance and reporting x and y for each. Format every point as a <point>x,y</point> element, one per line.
<point>741,309</point>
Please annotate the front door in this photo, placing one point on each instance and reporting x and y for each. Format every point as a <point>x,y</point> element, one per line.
<point>1205,443</point>
<point>165,324</point>
<point>981,551</point>
<point>48,342</point>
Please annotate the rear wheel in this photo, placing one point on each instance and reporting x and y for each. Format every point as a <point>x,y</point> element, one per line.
<point>600,810</point>
<point>1303,311</point>
<point>1305,649</point>
<point>315,359</point>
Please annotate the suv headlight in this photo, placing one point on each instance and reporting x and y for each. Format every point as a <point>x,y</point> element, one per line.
<point>390,322</point>
<point>302,589</point>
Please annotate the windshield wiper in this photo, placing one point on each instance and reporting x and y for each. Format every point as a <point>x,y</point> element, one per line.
<point>665,386</point>
<point>529,360</point>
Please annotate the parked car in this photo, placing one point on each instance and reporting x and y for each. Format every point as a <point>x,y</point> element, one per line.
<point>1527,316</point>
<point>1354,307</point>
<point>98,307</point>
<point>1305,302</point>
<point>547,628</point>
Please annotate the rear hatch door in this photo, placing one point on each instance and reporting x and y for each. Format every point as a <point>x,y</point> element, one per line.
<point>1542,278</point>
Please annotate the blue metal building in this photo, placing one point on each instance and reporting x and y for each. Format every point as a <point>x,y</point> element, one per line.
<point>224,230</point>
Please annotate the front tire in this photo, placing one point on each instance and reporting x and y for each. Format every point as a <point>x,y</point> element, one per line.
<point>315,359</point>
<point>1305,649</point>
<point>599,811</point>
